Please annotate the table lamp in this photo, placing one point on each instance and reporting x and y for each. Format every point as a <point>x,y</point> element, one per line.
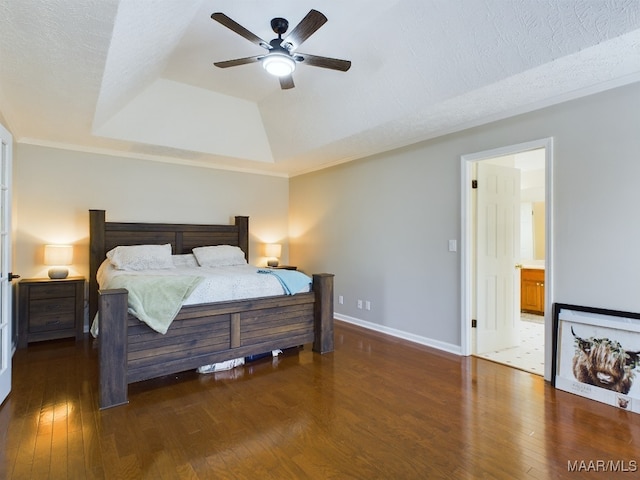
<point>57,256</point>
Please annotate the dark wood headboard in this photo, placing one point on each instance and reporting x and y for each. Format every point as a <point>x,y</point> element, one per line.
<point>103,236</point>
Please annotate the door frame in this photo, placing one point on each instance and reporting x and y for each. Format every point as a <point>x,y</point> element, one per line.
<point>467,240</point>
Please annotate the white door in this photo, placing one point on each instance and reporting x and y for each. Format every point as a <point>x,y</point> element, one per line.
<point>5,262</point>
<point>498,252</point>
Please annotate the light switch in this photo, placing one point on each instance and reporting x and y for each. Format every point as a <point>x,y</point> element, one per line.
<point>453,245</point>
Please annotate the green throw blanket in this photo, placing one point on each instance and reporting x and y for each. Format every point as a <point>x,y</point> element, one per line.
<point>155,300</point>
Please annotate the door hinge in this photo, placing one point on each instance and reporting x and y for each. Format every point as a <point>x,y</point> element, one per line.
<point>474,183</point>
<point>474,323</point>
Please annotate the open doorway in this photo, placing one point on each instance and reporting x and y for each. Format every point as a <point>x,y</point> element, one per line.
<point>499,242</point>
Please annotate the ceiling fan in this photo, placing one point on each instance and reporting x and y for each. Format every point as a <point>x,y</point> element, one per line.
<point>282,55</point>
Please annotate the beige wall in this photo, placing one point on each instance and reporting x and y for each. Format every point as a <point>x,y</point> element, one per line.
<point>538,230</point>
<point>55,188</point>
<point>382,224</point>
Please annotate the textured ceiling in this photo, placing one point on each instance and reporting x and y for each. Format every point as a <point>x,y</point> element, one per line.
<point>136,77</point>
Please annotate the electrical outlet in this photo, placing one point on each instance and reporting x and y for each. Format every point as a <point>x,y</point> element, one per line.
<point>367,305</point>
<point>360,304</point>
<point>341,300</point>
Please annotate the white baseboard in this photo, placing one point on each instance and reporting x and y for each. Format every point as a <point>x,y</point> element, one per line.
<point>429,342</point>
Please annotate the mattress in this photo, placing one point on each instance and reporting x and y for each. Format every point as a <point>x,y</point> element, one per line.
<point>156,300</point>
<point>219,283</point>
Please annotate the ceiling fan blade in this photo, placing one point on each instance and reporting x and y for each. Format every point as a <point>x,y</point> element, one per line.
<point>286,82</point>
<point>239,61</point>
<point>324,62</point>
<point>239,29</point>
<point>307,26</point>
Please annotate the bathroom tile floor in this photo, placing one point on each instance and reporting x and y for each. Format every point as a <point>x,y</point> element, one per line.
<point>529,355</point>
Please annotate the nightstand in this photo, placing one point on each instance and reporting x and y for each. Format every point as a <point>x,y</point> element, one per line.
<point>50,309</point>
<point>285,267</point>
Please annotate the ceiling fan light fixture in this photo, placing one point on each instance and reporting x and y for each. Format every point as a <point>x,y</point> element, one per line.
<point>278,64</point>
<point>282,56</point>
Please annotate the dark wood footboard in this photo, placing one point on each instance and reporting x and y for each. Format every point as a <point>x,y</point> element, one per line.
<point>204,334</point>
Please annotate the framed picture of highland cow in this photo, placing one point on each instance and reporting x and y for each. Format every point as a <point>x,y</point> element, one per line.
<point>597,354</point>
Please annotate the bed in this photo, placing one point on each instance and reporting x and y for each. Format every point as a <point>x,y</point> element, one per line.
<point>130,351</point>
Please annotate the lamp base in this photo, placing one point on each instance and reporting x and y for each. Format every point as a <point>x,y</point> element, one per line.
<point>272,263</point>
<point>58,273</point>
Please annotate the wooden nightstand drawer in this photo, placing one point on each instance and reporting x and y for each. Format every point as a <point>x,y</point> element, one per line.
<point>50,309</point>
<point>45,323</point>
<point>45,315</point>
<point>53,290</point>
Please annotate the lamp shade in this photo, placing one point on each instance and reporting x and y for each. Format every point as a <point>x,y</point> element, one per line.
<point>57,256</point>
<point>273,250</point>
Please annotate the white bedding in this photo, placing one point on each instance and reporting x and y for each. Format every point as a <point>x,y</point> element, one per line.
<point>219,284</point>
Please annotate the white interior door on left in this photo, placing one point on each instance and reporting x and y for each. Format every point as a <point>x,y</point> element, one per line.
<point>6,142</point>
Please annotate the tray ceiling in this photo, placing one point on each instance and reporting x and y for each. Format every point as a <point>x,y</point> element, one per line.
<point>136,78</point>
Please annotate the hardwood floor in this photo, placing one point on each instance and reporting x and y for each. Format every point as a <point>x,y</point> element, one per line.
<point>377,407</point>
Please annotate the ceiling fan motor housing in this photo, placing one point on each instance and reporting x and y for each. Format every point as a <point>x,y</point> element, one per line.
<point>279,25</point>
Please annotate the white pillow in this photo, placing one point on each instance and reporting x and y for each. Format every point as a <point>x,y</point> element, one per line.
<point>141,257</point>
<point>186,260</point>
<point>219,256</point>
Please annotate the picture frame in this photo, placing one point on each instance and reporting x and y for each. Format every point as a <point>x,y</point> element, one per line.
<point>596,354</point>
